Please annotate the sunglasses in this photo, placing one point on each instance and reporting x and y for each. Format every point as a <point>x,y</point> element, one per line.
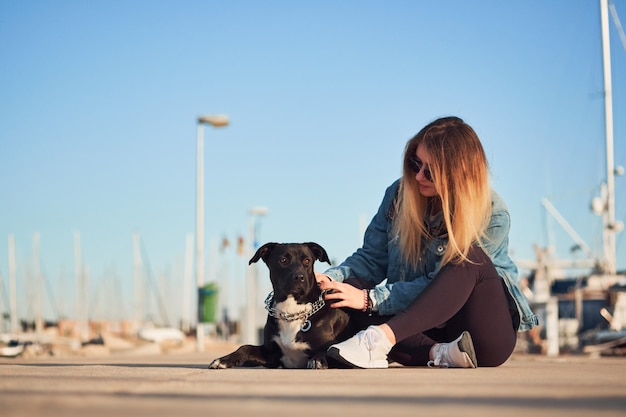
<point>416,165</point>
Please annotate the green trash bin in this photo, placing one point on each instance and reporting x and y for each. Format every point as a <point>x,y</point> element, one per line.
<point>207,303</point>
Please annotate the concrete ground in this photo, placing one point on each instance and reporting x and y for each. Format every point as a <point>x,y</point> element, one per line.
<point>180,385</point>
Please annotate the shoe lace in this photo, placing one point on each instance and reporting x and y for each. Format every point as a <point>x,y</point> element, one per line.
<point>369,339</point>
<point>441,358</point>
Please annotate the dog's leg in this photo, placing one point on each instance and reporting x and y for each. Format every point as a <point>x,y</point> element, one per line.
<point>318,361</point>
<point>248,356</point>
<point>337,329</point>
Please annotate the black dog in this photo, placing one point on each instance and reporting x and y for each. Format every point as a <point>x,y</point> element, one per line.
<point>300,324</point>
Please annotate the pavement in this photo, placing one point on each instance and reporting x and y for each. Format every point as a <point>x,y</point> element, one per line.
<point>181,385</point>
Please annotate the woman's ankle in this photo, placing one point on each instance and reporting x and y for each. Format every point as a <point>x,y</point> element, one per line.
<point>389,333</point>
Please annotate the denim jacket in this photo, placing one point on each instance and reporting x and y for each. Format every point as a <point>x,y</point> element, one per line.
<point>379,259</point>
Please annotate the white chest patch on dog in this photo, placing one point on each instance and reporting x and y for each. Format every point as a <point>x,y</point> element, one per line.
<point>294,355</point>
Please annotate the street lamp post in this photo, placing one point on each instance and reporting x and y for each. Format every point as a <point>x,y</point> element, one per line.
<point>250,335</point>
<point>215,121</point>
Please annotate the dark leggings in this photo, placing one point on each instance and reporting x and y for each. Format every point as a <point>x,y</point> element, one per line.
<point>466,296</point>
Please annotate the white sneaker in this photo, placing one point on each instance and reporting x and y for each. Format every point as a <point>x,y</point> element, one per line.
<point>367,349</point>
<point>456,354</point>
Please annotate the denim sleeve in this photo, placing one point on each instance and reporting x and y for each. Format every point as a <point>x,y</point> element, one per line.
<point>496,241</point>
<point>370,261</point>
<point>496,245</point>
<point>496,235</point>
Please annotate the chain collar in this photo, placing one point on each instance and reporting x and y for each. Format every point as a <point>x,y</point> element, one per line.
<point>309,310</point>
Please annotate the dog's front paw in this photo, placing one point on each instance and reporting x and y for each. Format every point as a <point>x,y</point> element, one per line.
<point>218,364</point>
<point>317,362</point>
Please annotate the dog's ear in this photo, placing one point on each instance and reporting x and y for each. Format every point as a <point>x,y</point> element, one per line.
<point>262,252</point>
<point>319,252</point>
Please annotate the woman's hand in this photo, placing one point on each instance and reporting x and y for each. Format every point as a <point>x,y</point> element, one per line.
<point>345,294</point>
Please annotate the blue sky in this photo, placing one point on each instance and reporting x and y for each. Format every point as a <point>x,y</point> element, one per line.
<point>98,102</point>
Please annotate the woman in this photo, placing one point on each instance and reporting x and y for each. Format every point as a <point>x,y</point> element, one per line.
<point>433,282</point>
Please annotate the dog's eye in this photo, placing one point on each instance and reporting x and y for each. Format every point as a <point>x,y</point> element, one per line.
<point>283,260</point>
<point>306,261</point>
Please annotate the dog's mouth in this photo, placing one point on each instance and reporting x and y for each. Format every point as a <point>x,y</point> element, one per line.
<point>280,296</point>
<point>300,295</point>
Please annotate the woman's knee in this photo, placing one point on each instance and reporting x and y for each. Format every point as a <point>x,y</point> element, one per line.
<point>495,353</point>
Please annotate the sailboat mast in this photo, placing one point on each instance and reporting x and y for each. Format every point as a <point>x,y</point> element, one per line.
<point>609,226</point>
<point>12,286</point>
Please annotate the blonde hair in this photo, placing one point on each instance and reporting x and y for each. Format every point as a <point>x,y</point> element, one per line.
<point>460,173</point>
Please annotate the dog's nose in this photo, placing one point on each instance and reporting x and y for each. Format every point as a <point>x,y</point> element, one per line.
<point>299,277</point>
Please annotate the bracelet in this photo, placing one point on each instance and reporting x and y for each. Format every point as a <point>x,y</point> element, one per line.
<point>367,303</point>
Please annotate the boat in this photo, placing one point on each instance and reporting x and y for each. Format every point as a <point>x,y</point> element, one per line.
<point>161,334</point>
<point>583,301</point>
<point>12,349</point>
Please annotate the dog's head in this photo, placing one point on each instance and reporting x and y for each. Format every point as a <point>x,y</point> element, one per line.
<point>291,267</point>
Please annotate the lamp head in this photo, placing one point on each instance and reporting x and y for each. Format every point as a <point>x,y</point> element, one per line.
<point>259,211</point>
<point>215,120</point>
